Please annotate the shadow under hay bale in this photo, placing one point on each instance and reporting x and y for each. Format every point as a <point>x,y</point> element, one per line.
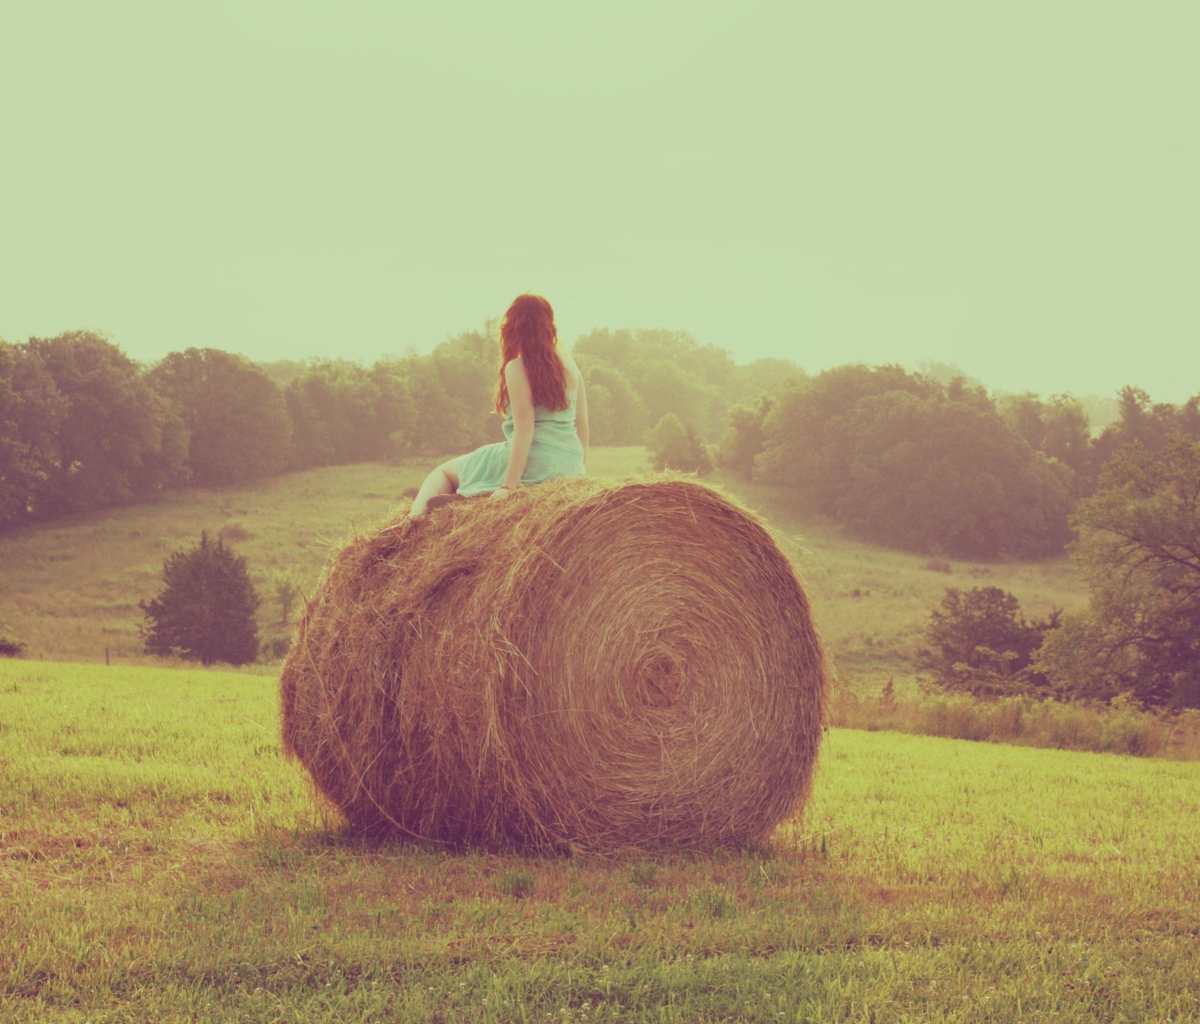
<point>579,666</point>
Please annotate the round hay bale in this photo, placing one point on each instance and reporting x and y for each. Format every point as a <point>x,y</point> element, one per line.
<point>575,667</point>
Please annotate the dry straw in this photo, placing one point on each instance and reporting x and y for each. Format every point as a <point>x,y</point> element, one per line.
<point>577,667</point>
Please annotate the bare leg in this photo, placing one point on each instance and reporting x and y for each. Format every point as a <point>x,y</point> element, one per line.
<point>443,480</point>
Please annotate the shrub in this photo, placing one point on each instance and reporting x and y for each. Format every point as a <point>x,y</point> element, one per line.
<point>1119,727</point>
<point>981,643</point>
<point>675,446</point>
<point>285,590</point>
<point>10,648</point>
<point>206,610</point>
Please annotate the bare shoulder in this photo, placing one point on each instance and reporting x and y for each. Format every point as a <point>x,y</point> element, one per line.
<point>516,381</point>
<point>574,376</point>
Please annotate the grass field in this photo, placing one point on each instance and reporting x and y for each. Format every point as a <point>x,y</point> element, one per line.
<point>160,861</point>
<point>71,589</point>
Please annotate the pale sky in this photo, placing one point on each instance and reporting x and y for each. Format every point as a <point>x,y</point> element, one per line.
<point>1013,187</point>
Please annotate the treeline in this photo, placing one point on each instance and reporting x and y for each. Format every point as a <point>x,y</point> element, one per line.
<point>83,426</point>
<point>1138,638</point>
<point>635,378</point>
<point>900,458</point>
<point>905,460</point>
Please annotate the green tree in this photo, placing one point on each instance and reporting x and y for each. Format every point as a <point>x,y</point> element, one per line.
<point>1058,427</point>
<point>763,376</point>
<point>334,407</point>
<point>666,387</point>
<point>1139,422</point>
<point>675,446</point>
<point>236,415</point>
<point>746,437</point>
<point>669,371</point>
<point>396,414</point>
<point>451,392</point>
<point>286,592</point>
<point>1139,549</point>
<point>31,414</point>
<point>113,439</point>
<point>616,413</point>
<point>906,461</point>
<point>809,445</point>
<point>979,642</point>
<point>284,371</point>
<point>206,610</point>
<point>467,367</point>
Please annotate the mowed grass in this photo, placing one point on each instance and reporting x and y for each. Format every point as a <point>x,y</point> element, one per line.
<point>160,861</point>
<point>70,589</point>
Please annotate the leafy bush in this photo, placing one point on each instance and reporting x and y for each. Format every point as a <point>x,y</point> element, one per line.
<point>10,648</point>
<point>980,643</point>
<point>206,610</point>
<point>286,592</point>
<point>1119,727</point>
<point>675,446</point>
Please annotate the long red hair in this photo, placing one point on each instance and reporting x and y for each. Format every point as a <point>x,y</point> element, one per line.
<point>528,331</point>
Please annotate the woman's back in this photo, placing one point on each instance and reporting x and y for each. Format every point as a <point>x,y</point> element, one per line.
<point>545,415</point>
<point>554,426</point>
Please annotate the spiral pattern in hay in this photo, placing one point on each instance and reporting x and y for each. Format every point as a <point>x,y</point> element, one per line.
<point>577,666</point>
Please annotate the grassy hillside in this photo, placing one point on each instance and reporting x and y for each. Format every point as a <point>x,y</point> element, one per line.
<point>71,589</point>
<point>160,861</point>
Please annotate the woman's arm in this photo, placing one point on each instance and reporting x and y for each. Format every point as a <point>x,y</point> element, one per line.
<point>581,417</point>
<point>520,402</point>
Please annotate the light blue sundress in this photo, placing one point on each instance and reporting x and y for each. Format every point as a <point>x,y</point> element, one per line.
<point>556,452</point>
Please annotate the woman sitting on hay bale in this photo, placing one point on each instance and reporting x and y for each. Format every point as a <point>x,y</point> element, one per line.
<point>540,394</point>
